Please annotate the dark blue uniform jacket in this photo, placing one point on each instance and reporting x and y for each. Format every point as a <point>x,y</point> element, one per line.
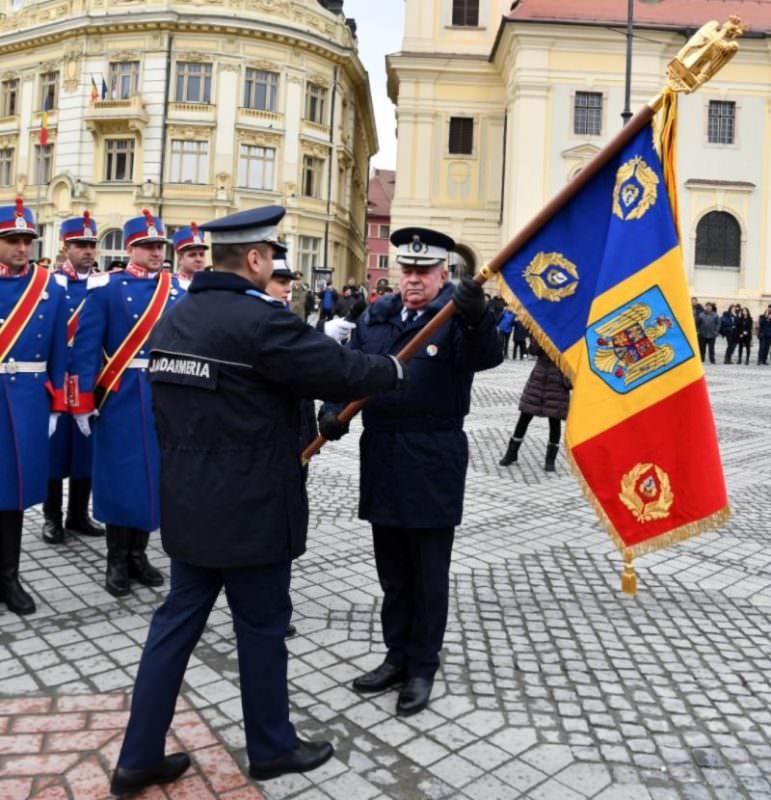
<point>414,452</point>
<point>228,373</point>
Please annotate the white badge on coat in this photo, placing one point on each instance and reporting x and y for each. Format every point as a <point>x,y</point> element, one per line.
<point>432,350</point>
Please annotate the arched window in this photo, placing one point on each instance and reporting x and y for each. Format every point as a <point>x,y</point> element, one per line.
<point>718,241</point>
<point>111,248</point>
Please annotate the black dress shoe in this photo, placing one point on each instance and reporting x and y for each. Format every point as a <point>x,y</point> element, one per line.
<point>305,757</point>
<point>414,696</point>
<point>129,781</point>
<point>84,527</point>
<point>53,532</point>
<point>378,679</point>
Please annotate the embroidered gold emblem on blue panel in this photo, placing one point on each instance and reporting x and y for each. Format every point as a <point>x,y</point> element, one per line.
<point>636,189</point>
<point>637,342</point>
<point>551,276</point>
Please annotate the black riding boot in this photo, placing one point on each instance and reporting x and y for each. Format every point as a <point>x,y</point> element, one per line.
<point>11,590</point>
<point>511,452</point>
<point>77,509</point>
<point>116,579</point>
<point>551,457</point>
<point>53,532</point>
<point>140,568</point>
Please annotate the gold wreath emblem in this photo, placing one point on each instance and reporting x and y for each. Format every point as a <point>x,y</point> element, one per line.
<point>627,203</point>
<point>548,283</point>
<point>633,493</point>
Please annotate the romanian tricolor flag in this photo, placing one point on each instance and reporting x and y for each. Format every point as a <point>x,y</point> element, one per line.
<point>94,91</point>
<point>602,287</point>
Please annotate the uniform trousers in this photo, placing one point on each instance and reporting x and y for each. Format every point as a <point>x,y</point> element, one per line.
<point>258,597</point>
<point>413,566</point>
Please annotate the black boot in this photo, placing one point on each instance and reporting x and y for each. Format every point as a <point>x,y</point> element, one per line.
<point>77,509</point>
<point>53,532</point>
<point>11,590</point>
<point>139,567</point>
<point>511,452</point>
<point>551,457</point>
<point>116,579</point>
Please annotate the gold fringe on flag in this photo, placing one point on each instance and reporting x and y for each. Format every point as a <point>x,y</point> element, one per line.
<point>666,145</point>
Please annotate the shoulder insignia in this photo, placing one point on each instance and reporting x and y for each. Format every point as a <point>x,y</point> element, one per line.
<point>61,279</point>
<point>95,281</point>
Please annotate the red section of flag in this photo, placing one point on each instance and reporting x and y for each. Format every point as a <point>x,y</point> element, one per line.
<point>44,130</point>
<point>678,437</point>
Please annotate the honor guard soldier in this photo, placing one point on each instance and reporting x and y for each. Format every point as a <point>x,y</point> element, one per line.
<point>33,361</point>
<point>191,253</point>
<point>120,312</point>
<point>233,499</point>
<point>414,456</point>
<point>70,449</point>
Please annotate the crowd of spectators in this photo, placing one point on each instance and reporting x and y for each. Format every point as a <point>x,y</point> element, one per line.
<point>736,327</point>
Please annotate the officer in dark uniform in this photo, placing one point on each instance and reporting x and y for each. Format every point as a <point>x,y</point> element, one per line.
<point>414,456</point>
<point>233,504</point>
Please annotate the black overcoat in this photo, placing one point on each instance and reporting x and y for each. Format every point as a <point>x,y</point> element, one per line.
<point>228,370</point>
<point>547,391</point>
<point>414,453</point>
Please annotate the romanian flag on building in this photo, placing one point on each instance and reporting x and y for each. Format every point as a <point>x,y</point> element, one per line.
<point>602,287</point>
<point>94,91</point>
<point>44,121</point>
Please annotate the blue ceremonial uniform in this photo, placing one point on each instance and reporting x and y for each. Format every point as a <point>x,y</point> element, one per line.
<point>70,449</point>
<point>125,456</point>
<point>26,398</point>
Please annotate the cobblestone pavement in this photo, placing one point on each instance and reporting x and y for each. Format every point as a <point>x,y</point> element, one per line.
<point>554,686</point>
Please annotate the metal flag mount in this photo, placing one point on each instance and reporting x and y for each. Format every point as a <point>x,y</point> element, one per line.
<point>646,494</point>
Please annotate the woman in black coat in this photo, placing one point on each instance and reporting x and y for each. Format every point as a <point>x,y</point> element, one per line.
<point>546,394</point>
<point>744,334</point>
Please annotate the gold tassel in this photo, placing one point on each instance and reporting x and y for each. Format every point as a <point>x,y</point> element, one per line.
<point>629,579</point>
<point>666,144</point>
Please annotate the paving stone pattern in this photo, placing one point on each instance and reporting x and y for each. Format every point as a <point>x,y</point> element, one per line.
<point>554,685</point>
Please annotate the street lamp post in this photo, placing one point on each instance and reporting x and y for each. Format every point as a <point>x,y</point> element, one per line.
<point>626,114</point>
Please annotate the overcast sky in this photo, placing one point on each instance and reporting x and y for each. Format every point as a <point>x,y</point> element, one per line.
<point>380,25</point>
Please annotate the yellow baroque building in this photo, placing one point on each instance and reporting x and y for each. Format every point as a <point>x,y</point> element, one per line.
<point>499,104</point>
<point>194,109</point>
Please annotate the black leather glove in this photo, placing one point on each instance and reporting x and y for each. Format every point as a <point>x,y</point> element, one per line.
<point>470,300</point>
<point>331,428</point>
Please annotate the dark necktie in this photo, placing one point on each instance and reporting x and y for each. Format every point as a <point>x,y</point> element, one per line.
<point>411,314</point>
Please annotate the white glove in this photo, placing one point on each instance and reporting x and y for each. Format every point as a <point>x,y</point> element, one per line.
<point>81,420</point>
<point>53,421</point>
<point>338,329</point>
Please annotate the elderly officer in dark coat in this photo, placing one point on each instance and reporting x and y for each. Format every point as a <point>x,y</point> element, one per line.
<point>414,456</point>
<point>234,511</point>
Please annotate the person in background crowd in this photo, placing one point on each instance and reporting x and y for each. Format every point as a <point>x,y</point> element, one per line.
<point>414,456</point>
<point>119,314</point>
<point>729,329</point>
<point>327,302</point>
<point>190,247</point>
<point>506,326</point>
<point>764,336</point>
<point>520,339</point>
<point>546,394</point>
<point>707,327</point>
<point>744,327</point>
<point>33,362</point>
<point>696,308</point>
<point>70,449</point>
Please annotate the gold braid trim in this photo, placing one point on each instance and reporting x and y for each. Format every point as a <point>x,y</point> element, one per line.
<point>665,140</point>
<point>709,523</point>
<point>512,302</point>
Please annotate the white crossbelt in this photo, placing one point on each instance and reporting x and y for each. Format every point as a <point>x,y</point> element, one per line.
<point>138,363</point>
<point>12,367</point>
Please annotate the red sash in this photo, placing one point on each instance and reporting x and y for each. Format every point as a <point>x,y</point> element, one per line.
<point>119,361</point>
<point>22,312</point>
<point>72,323</point>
